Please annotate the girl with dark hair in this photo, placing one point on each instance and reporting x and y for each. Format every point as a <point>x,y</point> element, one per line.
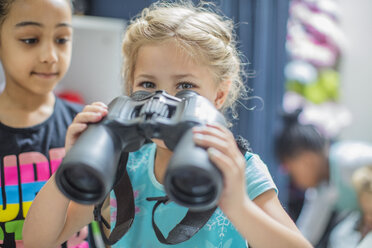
<point>35,53</point>
<point>302,150</point>
<point>323,169</point>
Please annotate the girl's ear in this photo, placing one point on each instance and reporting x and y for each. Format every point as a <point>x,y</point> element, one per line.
<point>222,93</point>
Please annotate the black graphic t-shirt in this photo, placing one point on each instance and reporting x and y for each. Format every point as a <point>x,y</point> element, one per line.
<point>28,157</point>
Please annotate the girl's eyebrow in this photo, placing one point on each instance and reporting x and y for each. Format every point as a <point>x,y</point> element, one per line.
<point>31,23</point>
<point>177,76</point>
<point>28,23</point>
<point>64,24</point>
<point>146,76</point>
<point>183,75</point>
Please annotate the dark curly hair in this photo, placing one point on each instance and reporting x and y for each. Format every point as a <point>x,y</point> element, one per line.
<point>4,9</point>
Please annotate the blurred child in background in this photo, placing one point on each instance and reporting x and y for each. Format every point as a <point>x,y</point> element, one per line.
<point>356,229</point>
<point>322,169</point>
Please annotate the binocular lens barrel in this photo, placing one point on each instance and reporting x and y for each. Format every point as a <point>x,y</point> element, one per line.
<point>192,180</point>
<point>193,184</point>
<point>79,184</point>
<point>192,189</point>
<point>87,172</point>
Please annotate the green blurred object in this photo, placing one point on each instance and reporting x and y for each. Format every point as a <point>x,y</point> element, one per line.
<point>315,93</point>
<point>330,81</point>
<point>326,88</point>
<point>295,86</point>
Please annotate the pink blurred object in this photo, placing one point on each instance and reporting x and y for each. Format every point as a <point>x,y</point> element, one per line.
<point>330,7</point>
<point>301,46</point>
<point>320,25</point>
<point>78,240</point>
<point>314,34</point>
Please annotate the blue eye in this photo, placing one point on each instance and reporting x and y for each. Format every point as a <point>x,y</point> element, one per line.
<point>30,41</point>
<point>185,85</point>
<point>148,85</point>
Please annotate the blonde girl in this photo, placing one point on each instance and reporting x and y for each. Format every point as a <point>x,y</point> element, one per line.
<point>171,47</point>
<point>362,182</point>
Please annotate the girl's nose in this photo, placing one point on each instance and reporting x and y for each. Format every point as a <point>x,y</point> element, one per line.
<point>48,53</point>
<point>169,90</point>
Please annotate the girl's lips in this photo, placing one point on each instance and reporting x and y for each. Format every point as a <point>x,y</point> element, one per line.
<point>45,74</point>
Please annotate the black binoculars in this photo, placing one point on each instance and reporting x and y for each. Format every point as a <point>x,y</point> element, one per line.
<point>89,169</point>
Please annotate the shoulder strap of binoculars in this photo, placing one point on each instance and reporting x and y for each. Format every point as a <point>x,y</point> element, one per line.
<point>183,231</point>
<point>193,221</point>
<point>125,206</point>
<point>188,226</point>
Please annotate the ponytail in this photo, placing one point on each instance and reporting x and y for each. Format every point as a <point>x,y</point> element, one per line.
<point>295,137</point>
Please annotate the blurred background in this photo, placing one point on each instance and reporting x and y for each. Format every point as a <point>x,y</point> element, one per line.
<point>312,54</point>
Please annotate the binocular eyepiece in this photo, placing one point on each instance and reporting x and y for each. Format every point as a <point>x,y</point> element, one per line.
<point>91,167</point>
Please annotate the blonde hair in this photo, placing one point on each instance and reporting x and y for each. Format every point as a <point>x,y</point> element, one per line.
<point>205,35</point>
<point>362,179</point>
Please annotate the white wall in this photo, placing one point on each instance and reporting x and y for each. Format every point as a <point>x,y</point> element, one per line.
<point>356,67</point>
<point>96,59</point>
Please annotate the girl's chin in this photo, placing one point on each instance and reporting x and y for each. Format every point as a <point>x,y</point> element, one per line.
<point>369,226</point>
<point>160,143</point>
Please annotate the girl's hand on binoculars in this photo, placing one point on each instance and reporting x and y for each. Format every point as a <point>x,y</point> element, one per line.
<point>91,113</point>
<point>225,154</point>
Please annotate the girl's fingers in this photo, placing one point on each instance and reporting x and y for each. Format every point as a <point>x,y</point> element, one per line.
<point>212,130</point>
<point>226,156</point>
<point>223,162</point>
<point>101,104</point>
<point>206,141</point>
<point>95,108</point>
<point>88,117</point>
<point>91,113</point>
<point>212,137</point>
<point>233,171</point>
<point>77,128</point>
<point>220,139</point>
<point>73,132</point>
<point>216,128</point>
<point>228,161</point>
